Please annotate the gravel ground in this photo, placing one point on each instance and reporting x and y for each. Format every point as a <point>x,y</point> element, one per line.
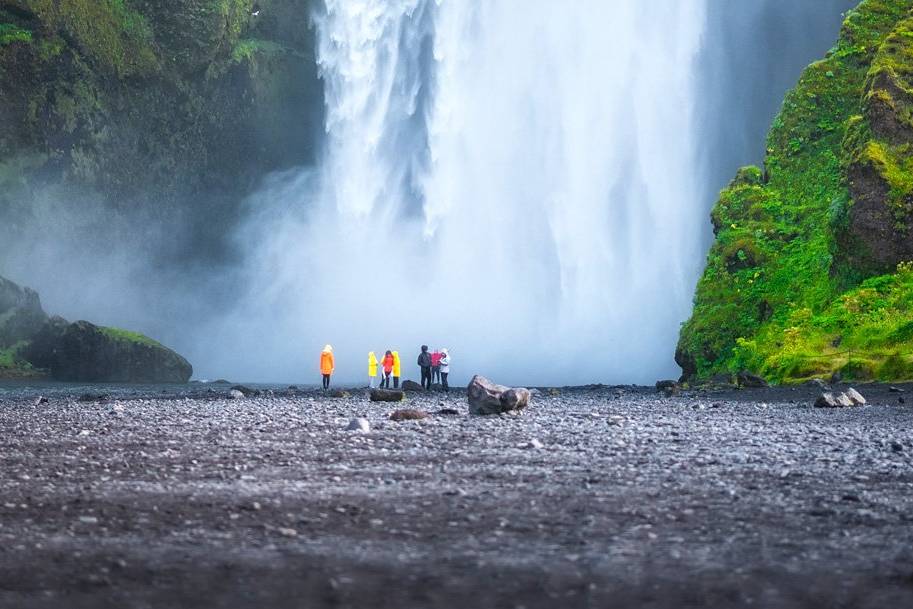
<point>595,497</point>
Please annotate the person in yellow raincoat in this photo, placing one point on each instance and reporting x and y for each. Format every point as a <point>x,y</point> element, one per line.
<point>396,369</point>
<point>372,368</point>
<point>327,365</point>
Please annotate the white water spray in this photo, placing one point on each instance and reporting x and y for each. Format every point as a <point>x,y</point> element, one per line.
<point>513,180</point>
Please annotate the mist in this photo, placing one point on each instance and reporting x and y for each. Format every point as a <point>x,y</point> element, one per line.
<point>522,183</point>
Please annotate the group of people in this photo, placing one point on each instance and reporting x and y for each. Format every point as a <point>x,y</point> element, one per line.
<point>434,365</point>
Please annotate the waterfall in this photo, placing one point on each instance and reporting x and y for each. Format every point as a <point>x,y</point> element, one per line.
<point>513,180</point>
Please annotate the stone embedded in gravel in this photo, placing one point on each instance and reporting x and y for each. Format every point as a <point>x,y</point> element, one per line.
<point>897,447</point>
<point>855,396</point>
<point>361,425</point>
<point>235,394</point>
<point>287,532</point>
<point>246,391</point>
<point>486,397</point>
<point>387,395</point>
<point>40,400</point>
<point>448,411</point>
<point>408,415</point>
<point>412,386</point>
<point>534,444</point>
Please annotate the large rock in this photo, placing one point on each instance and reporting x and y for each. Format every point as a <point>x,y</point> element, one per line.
<point>486,397</point>
<point>83,352</point>
<point>387,395</point>
<point>21,315</point>
<point>412,386</point>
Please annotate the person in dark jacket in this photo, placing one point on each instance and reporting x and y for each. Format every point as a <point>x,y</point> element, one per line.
<point>424,362</point>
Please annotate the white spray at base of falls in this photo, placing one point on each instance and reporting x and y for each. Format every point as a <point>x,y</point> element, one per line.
<point>514,180</point>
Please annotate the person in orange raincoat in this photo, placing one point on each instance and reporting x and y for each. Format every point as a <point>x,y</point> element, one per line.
<point>387,368</point>
<point>327,365</point>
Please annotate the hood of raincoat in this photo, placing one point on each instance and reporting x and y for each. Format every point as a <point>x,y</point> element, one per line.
<point>328,349</point>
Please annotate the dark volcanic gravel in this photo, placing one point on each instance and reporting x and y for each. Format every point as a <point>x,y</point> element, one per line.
<point>596,497</point>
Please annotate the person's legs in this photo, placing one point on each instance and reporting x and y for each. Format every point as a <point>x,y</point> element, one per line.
<point>444,381</point>
<point>326,381</point>
<point>371,382</point>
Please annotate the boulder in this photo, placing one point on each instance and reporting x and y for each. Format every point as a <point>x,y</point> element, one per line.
<point>486,397</point>
<point>339,393</point>
<point>408,415</point>
<point>387,395</point>
<point>412,386</point>
<point>839,400</point>
<point>750,381</point>
<point>83,352</point>
<point>234,394</point>
<point>856,397</point>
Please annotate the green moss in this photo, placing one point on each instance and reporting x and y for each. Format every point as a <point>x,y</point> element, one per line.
<point>128,336</point>
<point>10,33</point>
<point>770,299</point>
<point>10,358</point>
<point>108,32</point>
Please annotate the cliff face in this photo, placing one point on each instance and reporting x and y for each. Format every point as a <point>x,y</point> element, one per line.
<point>159,101</point>
<point>810,272</point>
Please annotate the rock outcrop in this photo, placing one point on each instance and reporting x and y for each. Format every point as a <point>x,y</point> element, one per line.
<point>486,397</point>
<point>21,315</point>
<point>81,351</point>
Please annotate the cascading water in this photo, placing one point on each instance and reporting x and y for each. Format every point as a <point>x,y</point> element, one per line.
<point>511,180</point>
<point>522,182</point>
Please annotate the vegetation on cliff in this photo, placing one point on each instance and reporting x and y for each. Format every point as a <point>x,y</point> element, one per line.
<point>155,105</point>
<point>809,273</point>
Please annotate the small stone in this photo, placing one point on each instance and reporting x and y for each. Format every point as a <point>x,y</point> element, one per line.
<point>360,425</point>
<point>448,411</point>
<point>40,400</point>
<point>893,389</point>
<point>534,444</point>
<point>287,532</point>
<point>88,519</point>
<point>408,415</point>
<point>897,447</point>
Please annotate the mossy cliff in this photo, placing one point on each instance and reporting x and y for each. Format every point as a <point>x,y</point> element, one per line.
<point>143,102</point>
<point>810,273</point>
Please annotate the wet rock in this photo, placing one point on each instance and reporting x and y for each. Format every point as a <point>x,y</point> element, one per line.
<point>750,380</point>
<point>387,395</point>
<point>339,393</point>
<point>894,389</point>
<point>361,425</point>
<point>486,397</point>
<point>448,411</point>
<point>408,415</point>
<point>412,386</point>
<point>896,447</point>
<point>235,394</point>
